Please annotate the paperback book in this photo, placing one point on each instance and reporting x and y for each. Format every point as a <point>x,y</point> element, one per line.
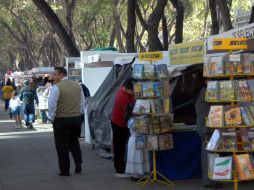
<point>222,168</point>
<point>212,91</point>
<point>152,142</point>
<point>247,60</point>
<point>140,142</point>
<point>147,89</point>
<point>232,116</point>
<point>165,141</point>
<point>158,88</point>
<point>161,71</point>
<point>138,71</point>
<point>243,166</point>
<point>216,116</point>
<point>149,71</point>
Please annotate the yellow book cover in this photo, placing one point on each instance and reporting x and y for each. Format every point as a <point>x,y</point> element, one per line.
<point>233,116</point>
<point>243,166</point>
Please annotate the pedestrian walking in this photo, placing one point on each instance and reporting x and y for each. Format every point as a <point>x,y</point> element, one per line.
<point>66,104</point>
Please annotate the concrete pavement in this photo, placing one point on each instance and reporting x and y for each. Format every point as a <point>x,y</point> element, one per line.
<point>28,161</point>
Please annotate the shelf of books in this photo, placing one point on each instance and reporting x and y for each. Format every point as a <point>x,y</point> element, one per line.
<point>152,117</point>
<point>230,89</point>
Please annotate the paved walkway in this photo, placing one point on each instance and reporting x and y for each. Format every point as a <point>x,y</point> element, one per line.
<point>28,162</point>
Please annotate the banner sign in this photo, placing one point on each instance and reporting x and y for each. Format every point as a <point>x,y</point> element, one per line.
<point>242,32</point>
<point>187,53</point>
<point>150,56</point>
<point>229,43</point>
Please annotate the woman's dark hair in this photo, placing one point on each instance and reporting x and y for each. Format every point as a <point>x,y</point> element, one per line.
<point>128,83</point>
<point>8,82</point>
<point>61,70</point>
<point>45,81</point>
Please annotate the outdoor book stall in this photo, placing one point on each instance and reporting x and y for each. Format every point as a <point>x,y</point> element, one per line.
<point>152,116</point>
<point>231,90</point>
<point>183,161</point>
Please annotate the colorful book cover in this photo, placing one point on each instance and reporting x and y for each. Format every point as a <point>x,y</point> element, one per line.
<point>214,141</point>
<point>222,168</point>
<point>158,89</point>
<point>211,159</point>
<point>233,64</point>
<point>249,116</point>
<point>149,71</point>
<point>142,124</point>
<point>161,71</point>
<point>251,139</point>
<point>226,90</point>
<point>212,93</point>
<point>243,166</point>
<point>165,123</point>
<point>232,116</point>
<point>245,117</point>
<point>251,86</point>
<point>155,127</point>
<point>147,89</point>
<point>142,106</point>
<point>165,141</point>
<point>152,142</point>
<point>138,89</point>
<point>216,116</point>
<point>244,90</point>
<point>157,105</point>
<point>216,66</point>
<point>138,71</point>
<point>247,60</point>
<point>229,141</point>
<point>140,142</point>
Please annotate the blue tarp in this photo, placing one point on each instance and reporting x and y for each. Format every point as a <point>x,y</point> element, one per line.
<point>183,161</point>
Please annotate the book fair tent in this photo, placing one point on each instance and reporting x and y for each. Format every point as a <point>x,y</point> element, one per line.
<point>100,107</point>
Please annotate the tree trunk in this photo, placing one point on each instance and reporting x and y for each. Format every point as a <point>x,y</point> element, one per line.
<point>223,15</point>
<point>117,26</point>
<point>58,28</point>
<point>70,7</point>
<point>206,7</point>
<point>154,43</point>
<point>131,25</point>
<point>179,20</point>
<point>252,15</point>
<point>215,23</point>
<point>165,32</point>
<point>112,38</point>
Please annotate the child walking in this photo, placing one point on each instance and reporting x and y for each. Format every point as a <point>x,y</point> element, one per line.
<point>15,107</point>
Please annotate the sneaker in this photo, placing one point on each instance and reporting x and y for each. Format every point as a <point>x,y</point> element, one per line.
<point>122,175</point>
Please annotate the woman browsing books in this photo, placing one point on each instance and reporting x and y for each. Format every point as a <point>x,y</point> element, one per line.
<point>123,98</point>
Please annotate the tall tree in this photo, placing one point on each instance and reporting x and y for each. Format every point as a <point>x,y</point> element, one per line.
<point>154,43</point>
<point>58,28</point>
<point>178,5</point>
<point>223,15</point>
<point>131,25</point>
<point>215,23</point>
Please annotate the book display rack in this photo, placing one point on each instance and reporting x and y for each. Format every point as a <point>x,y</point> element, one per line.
<point>230,89</point>
<point>152,117</point>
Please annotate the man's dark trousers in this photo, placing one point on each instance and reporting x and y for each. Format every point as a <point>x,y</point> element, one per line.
<point>66,133</point>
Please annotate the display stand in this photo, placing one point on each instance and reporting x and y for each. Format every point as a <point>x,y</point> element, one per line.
<point>231,73</point>
<point>154,175</point>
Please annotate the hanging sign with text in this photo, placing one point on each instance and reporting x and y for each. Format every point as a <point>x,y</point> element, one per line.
<point>230,43</point>
<point>150,56</point>
<point>187,53</point>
